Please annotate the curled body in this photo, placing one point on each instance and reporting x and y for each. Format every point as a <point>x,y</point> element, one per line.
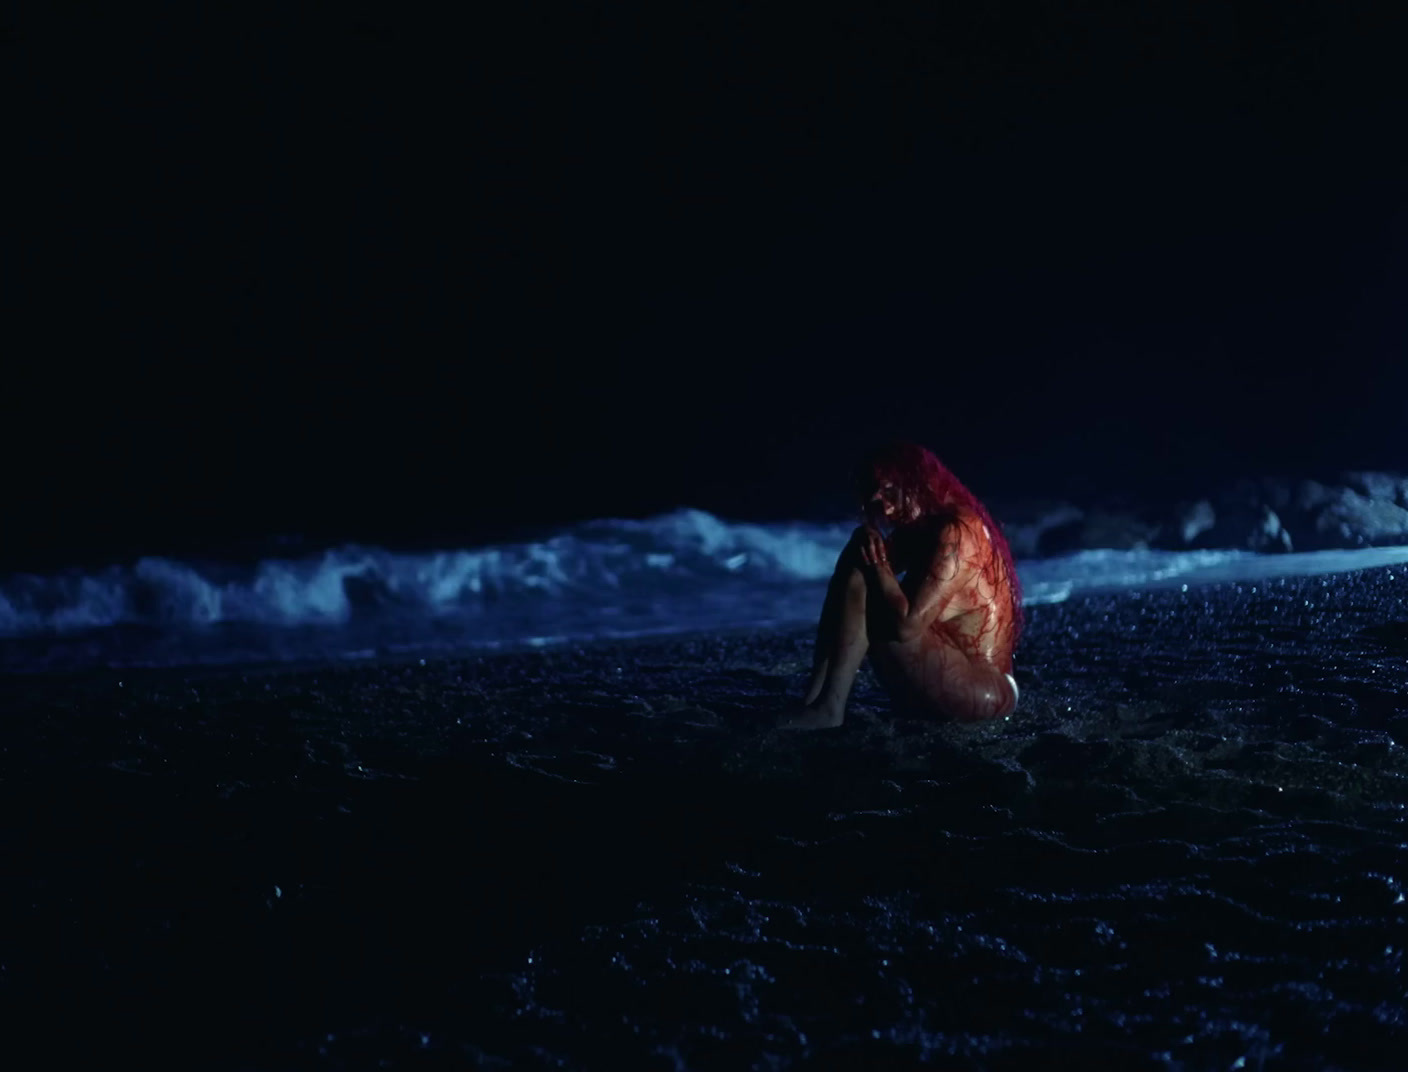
<point>936,605</point>
<point>947,651</point>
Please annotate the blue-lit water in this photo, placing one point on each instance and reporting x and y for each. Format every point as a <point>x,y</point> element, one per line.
<point>682,571</point>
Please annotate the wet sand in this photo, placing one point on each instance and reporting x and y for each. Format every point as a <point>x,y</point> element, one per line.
<point>1187,848</point>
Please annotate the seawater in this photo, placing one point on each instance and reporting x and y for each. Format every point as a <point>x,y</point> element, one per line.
<point>680,572</point>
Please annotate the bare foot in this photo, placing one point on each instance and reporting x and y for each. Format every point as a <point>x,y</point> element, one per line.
<point>810,718</point>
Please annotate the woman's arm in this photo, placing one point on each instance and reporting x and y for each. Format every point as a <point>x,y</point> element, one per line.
<point>941,581</point>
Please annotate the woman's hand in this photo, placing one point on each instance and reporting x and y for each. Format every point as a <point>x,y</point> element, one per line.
<point>879,574</point>
<point>873,552</point>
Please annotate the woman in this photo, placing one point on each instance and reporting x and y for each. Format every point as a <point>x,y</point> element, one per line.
<point>937,604</point>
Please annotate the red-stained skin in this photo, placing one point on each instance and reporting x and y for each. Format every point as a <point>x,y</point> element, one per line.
<point>942,637</point>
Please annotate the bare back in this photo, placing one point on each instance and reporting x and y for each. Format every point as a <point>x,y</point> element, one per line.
<point>956,666</point>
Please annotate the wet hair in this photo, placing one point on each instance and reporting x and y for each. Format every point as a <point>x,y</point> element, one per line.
<point>922,480</point>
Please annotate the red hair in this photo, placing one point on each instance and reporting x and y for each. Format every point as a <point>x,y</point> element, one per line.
<point>924,481</point>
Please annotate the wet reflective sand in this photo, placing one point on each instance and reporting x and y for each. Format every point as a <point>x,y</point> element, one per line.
<point>1188,849</point>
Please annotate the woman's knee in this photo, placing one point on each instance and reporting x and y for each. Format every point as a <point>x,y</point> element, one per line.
<point>849,559</point>
<point>848,575</point>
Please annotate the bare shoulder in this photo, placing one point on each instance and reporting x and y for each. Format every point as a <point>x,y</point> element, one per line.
<point>970,531</point>
<point>944,542</point>
<point>960,532</point>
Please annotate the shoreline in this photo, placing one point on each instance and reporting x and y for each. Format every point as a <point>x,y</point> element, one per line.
<point>605,853</point>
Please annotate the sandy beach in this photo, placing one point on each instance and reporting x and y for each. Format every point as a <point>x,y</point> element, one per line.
<point>1186,850</point>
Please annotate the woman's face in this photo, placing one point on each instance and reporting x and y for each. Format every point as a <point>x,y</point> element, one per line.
<point>885,504</point>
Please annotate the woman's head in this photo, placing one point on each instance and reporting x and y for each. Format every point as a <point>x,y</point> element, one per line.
<point>902,482</point>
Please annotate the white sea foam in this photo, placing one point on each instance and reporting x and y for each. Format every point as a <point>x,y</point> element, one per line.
<point>682,570</point>
<point>1050,580</point>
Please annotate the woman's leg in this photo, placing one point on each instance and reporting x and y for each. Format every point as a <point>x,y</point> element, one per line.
<point>832,610</point>
<point>841,644</point>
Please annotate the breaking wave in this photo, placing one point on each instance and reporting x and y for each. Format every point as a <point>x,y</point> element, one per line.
<point>680,571</point>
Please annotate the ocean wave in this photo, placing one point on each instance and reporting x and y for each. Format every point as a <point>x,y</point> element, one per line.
<point>687,569</point>
<point>680,553</point>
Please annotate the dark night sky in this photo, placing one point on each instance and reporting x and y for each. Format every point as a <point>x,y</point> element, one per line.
<point>353,275</point>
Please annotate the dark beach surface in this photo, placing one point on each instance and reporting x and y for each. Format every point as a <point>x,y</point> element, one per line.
<point>1187,849</point>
